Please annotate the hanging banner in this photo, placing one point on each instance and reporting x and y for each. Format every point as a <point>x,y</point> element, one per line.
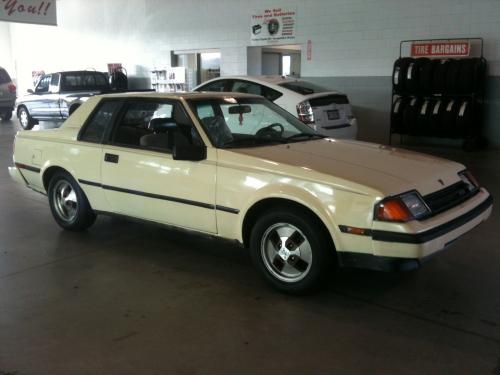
<point>29,11</point>
<point>440,49</point>
<point>273,26</point>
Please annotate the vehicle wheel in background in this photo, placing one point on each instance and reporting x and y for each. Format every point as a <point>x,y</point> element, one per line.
<point>290,250</point>
<point>410,114</point>
<point>439,76</point>
<point>68,203</point>
<point>453,76</point>
<point>397,120</point>
<point>25,119</point>
<point>399,73</point>
<point>7,116</point>
<point>450,116</point>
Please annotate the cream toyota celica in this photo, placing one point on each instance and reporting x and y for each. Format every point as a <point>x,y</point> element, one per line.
<point>239,167</point>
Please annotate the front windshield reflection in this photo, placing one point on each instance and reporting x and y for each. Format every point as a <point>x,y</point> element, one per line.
<point>248,122</point>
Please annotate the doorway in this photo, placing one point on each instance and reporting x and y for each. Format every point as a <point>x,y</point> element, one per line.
<point>274,60</point>
<point>200,66</point>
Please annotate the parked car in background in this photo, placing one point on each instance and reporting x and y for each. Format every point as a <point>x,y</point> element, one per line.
<point>328,112</point>
<point>58,95</point>
<point>7,95</point>
<point>240,167</point>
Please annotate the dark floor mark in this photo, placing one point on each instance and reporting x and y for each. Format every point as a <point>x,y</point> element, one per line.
<point>450,312</point>
<point>421,318</point>
<point>496,370</point>
<point>121,338</point>
<point>489,322</point>
<point>2,372</point>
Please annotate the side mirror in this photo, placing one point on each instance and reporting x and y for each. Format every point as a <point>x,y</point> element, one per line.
<point>30,91</point>
<point>189,152</point>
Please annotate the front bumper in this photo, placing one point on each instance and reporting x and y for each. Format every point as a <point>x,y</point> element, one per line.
<point>405,250</point>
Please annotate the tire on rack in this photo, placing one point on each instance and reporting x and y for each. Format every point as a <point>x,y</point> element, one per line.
<point>25,119</point>
<point>291,250</point>
<point>472,75</point>
<point>68,203</point>
<point>466,120</point>
<point>412,77</point>
<point>410,114</point>
<point>439,76</point>
<point>436,120</point>
<point>399,73</point>
<point>424,118</point>
<point>397,121</point>
<point>425,76</point>
<point>453,76</point>
<point>450,113</point>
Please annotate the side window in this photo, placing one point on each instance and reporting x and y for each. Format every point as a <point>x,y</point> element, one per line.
<point>218,86</point>
<point>205,110</point>
<point>270,94</point>
<point>154,125</point>
<point>247,87</point>
<point>43,85</point>
<point>102,118</point>
<point>55,80</point>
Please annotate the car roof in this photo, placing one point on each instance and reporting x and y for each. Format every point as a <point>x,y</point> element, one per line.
<point>74,71</point>
<point>273,79</point>
<point>181,95</point>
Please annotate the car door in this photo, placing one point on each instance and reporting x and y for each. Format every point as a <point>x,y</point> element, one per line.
<point>52,98</point>
<point>140,177</point>
<point>37,103</point>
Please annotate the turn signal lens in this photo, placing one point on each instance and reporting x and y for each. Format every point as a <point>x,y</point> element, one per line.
<point>393,210</point>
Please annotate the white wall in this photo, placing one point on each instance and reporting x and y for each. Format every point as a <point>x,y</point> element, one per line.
<point>350,37</point>
<point>6,60</point>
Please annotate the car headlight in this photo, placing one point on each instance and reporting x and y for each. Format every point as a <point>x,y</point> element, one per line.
<point>469,180</point>
<point>402,208</point>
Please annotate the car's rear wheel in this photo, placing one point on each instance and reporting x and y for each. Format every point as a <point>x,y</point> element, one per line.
<point>290,250</point>
<point>7,115</point>
<point>26,121</point>
<point>68,203</point>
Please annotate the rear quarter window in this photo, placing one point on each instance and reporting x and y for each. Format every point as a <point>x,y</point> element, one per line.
<point>100,120</point>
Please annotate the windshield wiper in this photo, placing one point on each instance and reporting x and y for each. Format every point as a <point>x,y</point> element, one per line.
<point>305,135</point>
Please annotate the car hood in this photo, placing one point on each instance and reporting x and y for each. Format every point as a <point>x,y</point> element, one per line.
<point>386,169</point>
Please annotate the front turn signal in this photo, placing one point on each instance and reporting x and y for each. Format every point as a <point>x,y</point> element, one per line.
<point>393,209</point>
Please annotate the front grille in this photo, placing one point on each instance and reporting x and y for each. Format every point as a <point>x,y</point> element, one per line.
<point>449,197</point>
<point>324,101</point>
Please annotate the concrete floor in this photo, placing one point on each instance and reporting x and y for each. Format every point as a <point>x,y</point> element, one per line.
<point>130,298</point>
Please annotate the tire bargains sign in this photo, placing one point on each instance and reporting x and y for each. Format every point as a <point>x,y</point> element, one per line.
<point>29,11</point>
<point>440,49</point>
<point>273,26</point>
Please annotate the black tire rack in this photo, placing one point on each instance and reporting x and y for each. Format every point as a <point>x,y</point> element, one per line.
<point>439,97</point>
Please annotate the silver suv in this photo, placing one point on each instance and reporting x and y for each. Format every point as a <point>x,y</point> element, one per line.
<point>7,95</point>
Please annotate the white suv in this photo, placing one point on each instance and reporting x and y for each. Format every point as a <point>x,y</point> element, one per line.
<point>329,112</point>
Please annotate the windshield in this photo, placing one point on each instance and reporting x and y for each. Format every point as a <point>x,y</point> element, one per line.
<point>303,87</point>
<point>248,122</point>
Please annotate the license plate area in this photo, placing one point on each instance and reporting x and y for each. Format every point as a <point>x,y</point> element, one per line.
<point>333,114</point>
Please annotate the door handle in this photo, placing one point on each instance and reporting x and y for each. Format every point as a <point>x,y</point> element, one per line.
<point>111,158</point>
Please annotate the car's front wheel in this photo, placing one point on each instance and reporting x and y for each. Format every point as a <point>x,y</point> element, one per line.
<point>25,119</point>
<point>291,250</point>
<point>68,203</point>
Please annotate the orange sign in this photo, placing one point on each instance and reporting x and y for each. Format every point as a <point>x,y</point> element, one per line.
<point>440,49</point>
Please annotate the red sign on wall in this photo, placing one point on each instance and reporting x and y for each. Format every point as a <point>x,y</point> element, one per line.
<point>440,49</point>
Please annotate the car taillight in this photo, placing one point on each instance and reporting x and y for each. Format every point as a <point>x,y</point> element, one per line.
<point>305,112</point>
<point>12,88</point>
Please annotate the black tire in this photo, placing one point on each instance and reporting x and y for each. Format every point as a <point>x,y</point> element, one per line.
<point>450,116</point>
<point>439,76</point>
<point>25,119</point>
<point>472,74</point>
<point>436,119</point>
<point>68,203</point>
<point>424,118</point>
<point>410,116</point>
<point>399,74</point>
<point>7,116</point>
<point>467,120</point>
<point>307,268</point>
<point>453,77</point>
<point>412,77</point>
<point>397,121</point>
<point>425,76</point>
